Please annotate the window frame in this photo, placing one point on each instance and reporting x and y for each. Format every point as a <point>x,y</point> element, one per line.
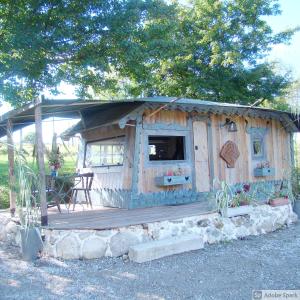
<point>261,138</point>
<point>102,140</point>
<point>186,144</point>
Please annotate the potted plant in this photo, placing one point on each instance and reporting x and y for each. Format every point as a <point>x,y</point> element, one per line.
<point>27,207</point>
<point>230,203</point>
<point>55,157</point>
<point>279,196</point>
<point>55,161</point>
<point>240,202</point>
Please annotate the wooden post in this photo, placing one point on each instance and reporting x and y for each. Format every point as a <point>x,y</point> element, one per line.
<point>41,163</point>
<point>11,159</point>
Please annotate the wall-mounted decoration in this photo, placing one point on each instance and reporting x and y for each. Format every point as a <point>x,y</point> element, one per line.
<point>230,153</point>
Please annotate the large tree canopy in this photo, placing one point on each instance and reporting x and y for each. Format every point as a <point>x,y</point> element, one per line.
<point>222,49</point>
<point>45,42</point>
<point>205,49</point>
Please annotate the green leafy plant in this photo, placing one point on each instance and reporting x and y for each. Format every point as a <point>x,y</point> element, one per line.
<point>27,199</point>
<point>223,196</point>
<point>241,197</point>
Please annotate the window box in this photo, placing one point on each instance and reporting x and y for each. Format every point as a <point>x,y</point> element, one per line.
<point>172,180</point>
<point>261,172</point>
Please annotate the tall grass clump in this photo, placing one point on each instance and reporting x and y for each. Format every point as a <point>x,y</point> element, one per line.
<point>26,189</point>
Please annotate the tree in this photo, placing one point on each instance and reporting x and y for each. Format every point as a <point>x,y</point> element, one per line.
<point>29,138</point>
<point>222,49</point>
<point>207,49</point>
<point>45,42</point>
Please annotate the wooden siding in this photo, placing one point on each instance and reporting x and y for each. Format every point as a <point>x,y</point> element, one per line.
<point>201,156</point>
<point>148,170</point>
<point>277,151</point>
<point>195,128</point>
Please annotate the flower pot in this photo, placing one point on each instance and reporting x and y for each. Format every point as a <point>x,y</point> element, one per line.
<point>279,201</point>
<point>237,211</point>
<point>296,207</point>
<point>31,243</point>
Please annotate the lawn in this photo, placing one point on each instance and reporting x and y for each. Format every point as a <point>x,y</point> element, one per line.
<point>68,167</point>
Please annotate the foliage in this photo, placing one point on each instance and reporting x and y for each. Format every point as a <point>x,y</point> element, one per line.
<point>4,197</point>
<point>208,49</point>
<point>223,196</point>
<point>289,100</point>
<point>29,138</point>
<point>69,167</point>
<point>295,181</point>
<point>221,49</point>
<point>27,200</point>
<point>241,197</point>
<point>79,42</point>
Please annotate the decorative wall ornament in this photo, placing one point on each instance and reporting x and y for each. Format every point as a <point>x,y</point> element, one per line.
<point>230,153</point>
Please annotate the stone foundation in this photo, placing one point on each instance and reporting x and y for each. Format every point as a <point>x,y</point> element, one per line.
<point>9,230</point>
<point>211,228</point>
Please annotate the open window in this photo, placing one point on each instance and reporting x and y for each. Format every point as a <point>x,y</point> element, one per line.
<point>166,148</point>
<point>109,152</point>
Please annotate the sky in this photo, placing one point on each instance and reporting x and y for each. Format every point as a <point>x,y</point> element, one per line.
<point>287,55</point>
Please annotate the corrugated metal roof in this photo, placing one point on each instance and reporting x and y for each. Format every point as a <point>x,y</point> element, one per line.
<point>97,113</point>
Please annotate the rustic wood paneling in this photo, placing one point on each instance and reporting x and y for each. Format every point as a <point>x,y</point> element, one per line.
<point>149,172</point>
<point>102,133</point>
<point>276,149</point>
<point>201,156</point>
<point>165,116</point>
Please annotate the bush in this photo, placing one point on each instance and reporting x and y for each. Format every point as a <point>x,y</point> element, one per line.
<point>4,197</point>
<point>295,180</point>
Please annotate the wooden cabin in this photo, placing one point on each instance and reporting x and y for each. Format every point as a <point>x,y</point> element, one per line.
<point>168,151</point>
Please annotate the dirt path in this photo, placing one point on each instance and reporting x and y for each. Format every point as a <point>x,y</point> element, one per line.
<point>224,271</point>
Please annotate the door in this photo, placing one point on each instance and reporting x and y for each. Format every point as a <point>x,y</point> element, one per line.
<point>201,156</point>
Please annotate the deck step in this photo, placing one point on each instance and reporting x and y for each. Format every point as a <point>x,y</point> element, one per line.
<point>157,249</point>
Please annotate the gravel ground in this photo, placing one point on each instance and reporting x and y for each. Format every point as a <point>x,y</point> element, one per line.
<point>224,271</point>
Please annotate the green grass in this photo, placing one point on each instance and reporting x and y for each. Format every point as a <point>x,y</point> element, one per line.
<point>68,168</point>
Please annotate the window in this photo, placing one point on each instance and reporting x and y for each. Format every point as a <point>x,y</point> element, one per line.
<point>257,147</point>
<point>108,152</point>
<point>166,148</point>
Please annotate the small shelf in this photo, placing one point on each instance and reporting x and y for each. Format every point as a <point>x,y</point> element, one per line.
<point>172,180</point>
<point>263,172</point>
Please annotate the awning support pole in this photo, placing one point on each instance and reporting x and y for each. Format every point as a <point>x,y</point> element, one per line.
<point>11,161</point>
<point>41,162</point>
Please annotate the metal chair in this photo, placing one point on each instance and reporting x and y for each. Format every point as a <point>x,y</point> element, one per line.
<point>82,182</point>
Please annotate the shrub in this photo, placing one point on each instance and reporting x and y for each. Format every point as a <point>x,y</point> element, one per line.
<point>4,197</point>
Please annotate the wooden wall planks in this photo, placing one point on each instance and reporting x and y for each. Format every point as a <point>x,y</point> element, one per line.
<point>277,142</point>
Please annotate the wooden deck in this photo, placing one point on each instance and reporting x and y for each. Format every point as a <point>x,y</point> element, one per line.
<point>100,219</point>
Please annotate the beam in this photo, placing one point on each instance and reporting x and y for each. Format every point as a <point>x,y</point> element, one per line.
<point>11,159</point>
<point>41,163</point>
